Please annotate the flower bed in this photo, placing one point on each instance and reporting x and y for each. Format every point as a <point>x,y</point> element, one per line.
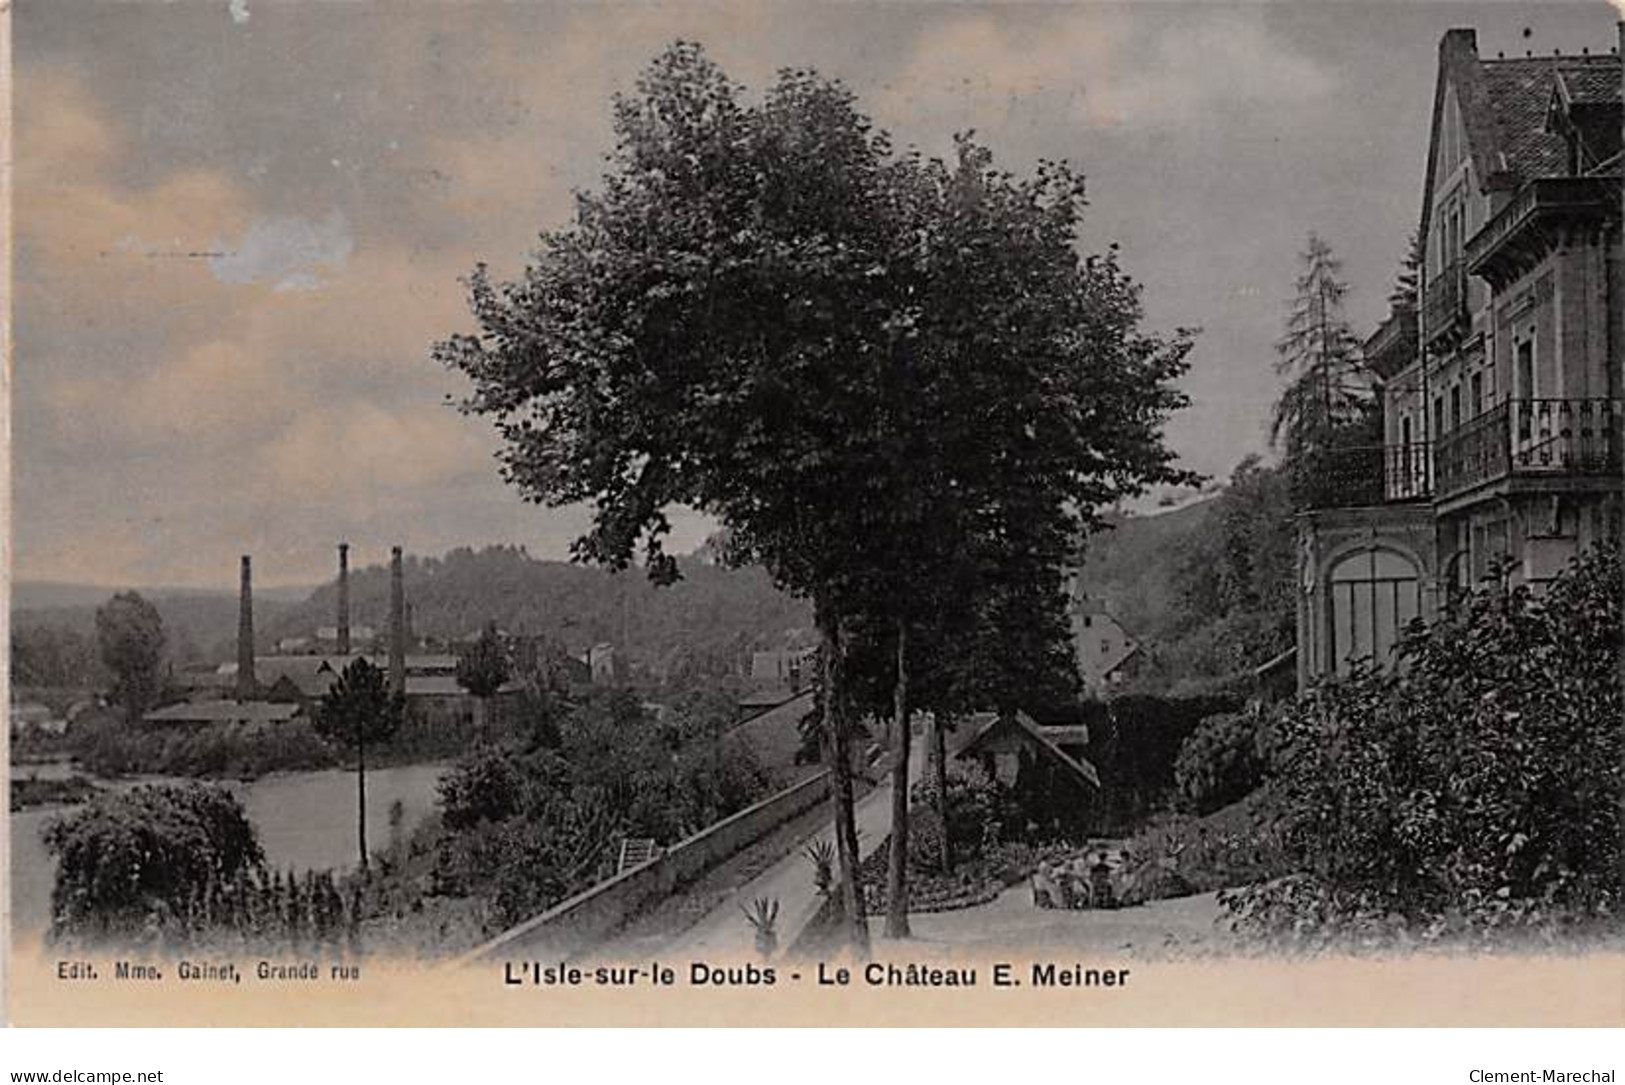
<point>973,881</point>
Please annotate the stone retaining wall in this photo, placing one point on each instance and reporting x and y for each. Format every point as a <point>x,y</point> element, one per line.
<point>588,918</point>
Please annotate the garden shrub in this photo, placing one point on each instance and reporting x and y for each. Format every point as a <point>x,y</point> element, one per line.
<point>1474,788</point>
<point>1219,763</point>
<point>974,806</point>
<point>130,861</point>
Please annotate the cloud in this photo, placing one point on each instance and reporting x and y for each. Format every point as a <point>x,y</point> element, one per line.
<point>215,390</point>
<point>1217,61</point>
<point>1100,66</point>
<point>285,252</point>
<point>224,336</point>
<point>364,453</point>
<point>101,255</point>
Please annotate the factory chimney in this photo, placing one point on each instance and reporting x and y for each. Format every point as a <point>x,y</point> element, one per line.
<point>344,599</point>
<point>397,625</point>
<point>247,687</point>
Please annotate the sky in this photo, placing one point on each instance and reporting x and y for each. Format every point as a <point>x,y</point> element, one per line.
<point>241,227</point>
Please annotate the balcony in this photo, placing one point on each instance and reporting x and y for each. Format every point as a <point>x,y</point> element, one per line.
<point>1533,221</point>
<point>1364,475</point>
<point>1532,438</point>
<point>1444,303</point>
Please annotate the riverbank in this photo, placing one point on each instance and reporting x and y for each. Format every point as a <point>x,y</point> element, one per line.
<point>33,791</point>
<point>305,821</point>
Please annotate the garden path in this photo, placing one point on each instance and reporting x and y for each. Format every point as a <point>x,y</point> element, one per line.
<point>1173,927</point>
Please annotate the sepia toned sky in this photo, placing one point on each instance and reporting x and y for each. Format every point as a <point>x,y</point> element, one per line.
<point>240,227</point>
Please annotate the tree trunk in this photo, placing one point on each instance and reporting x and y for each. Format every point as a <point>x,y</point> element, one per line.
<point>897,860</point>
<point>361,794</point>
<point>940,769</point>
<point>840,773</point>
<point>482,717</point>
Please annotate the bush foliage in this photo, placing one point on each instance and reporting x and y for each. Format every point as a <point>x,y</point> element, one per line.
<point>976,815</point>
<point>525,827</point>
<point>1476,787</point>
<point>1219,763</point>
<point>129,861</point>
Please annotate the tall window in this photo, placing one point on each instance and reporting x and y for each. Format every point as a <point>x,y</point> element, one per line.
<point>1525,389</point>
<point>1526,369</point>
<point>1407,479</point>
<point>1373,595</point>
<point>1455,406</point>
<point>1475,400</point>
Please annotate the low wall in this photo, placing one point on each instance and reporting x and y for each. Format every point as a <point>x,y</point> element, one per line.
<point>590,916</point>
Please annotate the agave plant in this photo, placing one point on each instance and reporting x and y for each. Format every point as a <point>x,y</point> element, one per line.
<point>763,915</point>
<point>821,854</point>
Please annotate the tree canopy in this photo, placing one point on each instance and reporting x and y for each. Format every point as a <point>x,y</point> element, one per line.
<point>358,710</point>
<point>484,669</point>
<point>894,380</point>
<point>130,636</point>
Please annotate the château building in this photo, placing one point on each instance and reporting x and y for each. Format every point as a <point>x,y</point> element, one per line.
<point>1501,384</point>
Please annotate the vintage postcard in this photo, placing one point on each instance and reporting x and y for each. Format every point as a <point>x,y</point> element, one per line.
<point>779,513</point>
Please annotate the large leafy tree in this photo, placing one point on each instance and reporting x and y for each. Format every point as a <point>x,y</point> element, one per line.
<point>1234,579</point>
<point>130,636</point>
<point>356,711</point>
<point>1031,399</point>
<point>766,314</point>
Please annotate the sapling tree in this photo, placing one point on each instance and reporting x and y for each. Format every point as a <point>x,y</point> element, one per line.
<point>357,711</point>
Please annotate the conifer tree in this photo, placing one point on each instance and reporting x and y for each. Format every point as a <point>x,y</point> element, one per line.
<point>1329,402</point>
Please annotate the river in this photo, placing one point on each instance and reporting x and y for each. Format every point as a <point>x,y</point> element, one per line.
<point>306,820</point>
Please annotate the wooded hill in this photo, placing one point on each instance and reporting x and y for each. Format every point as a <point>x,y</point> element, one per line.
<point>712,614</point>
<point>1207,589</point>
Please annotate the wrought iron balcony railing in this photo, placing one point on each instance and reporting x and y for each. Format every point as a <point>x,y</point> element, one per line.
<point>1364,475</point>
<point>1532,437</point>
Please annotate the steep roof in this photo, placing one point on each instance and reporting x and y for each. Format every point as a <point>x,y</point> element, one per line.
<point>973,729</point>
<point>1505,104</point>
<point>1520,97</point>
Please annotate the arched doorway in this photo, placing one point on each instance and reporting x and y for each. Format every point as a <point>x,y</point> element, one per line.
<point>1373,594</point>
